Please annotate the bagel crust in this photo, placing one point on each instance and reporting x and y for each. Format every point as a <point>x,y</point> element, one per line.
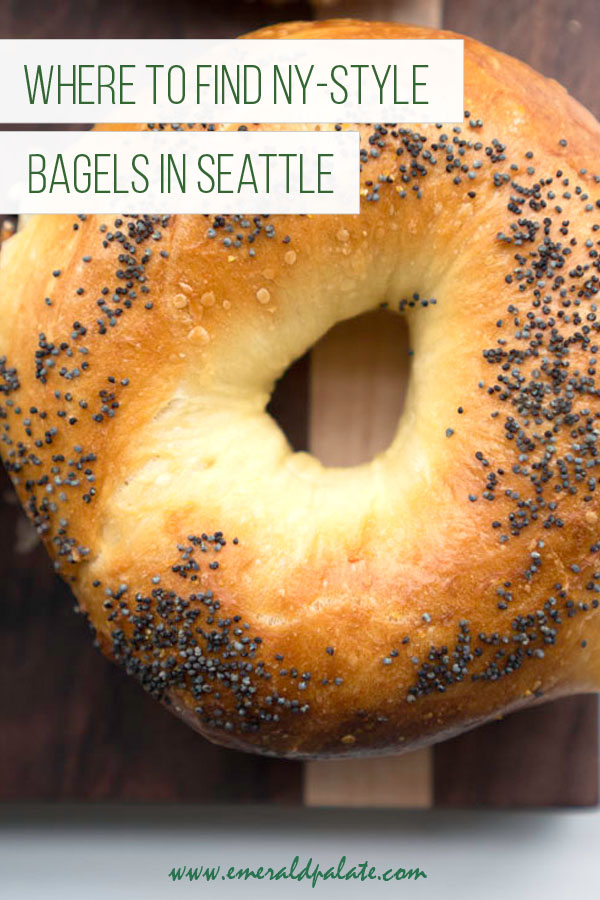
<point>276,605</point>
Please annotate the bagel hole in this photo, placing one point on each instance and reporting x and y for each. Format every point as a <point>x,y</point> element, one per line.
<point>342,401</point>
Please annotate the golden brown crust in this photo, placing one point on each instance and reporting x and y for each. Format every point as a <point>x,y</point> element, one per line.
<point>330,611</point>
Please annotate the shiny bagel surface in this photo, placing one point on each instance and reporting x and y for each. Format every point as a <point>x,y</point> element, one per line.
<point>283,607</point>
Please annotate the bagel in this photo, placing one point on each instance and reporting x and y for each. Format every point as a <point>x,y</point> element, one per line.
<point>276,605</point>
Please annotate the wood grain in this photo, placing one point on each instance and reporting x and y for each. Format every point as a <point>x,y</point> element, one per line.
<point>410,12</point>
<point>560,38</point>
<point>151,19</point>
<point>546,756</point>
<point>398,782</point>
<point>359,374</point>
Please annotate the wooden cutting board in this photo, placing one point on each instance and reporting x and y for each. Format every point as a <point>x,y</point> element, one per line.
<point>73,727</point>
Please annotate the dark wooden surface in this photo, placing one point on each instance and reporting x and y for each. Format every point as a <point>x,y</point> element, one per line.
<point>560,38</point>
<point>148,19</point>
<point>545,756</point>
<point>72,726</point>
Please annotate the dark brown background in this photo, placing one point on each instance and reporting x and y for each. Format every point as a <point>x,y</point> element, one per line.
<point>73,727</point>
